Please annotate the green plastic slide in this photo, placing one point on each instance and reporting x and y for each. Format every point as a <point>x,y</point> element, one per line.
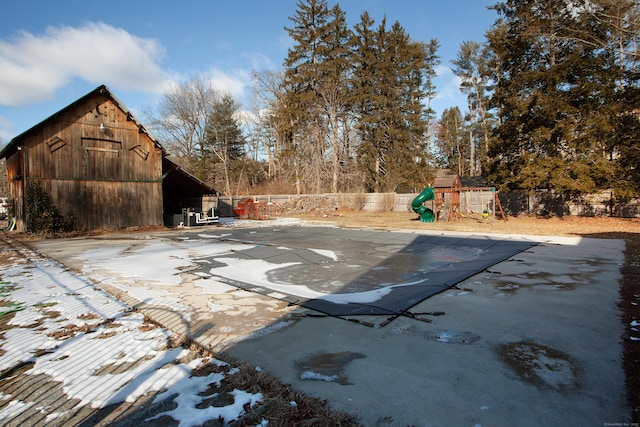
<point>426,214</point>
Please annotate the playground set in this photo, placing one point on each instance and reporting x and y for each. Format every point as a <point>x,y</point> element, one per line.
<point>445,197</point>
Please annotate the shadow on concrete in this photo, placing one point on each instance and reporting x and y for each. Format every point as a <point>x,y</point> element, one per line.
<point>361,272</point>
<point>354,272</point>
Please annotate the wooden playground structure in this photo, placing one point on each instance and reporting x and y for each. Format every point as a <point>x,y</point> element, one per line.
<point>449,192</point>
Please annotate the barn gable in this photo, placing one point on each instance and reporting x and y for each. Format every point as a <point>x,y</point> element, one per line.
<point>96,161</point>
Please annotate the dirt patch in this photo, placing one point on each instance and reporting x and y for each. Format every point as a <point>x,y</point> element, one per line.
<point>71,331</point>
<point>284,406</point>
<point>88,316</point>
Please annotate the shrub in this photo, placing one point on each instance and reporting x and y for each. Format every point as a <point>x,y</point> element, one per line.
<point>355,201</point>
<point>388,202</point>
<point>43,216</point>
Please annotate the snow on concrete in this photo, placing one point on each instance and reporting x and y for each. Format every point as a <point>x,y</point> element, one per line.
<point>139,266</point>
<point>86,332</point>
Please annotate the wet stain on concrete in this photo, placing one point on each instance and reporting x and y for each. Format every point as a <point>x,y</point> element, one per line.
<point>509,287</point>
<point>581,273</point>
<point>454,337</point>
<point>541,365</point>
<point>327,366</point>
<point>541,281</point>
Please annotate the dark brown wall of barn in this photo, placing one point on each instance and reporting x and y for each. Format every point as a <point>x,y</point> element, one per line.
<point>97,164</point>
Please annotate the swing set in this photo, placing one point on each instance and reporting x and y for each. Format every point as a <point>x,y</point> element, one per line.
<point>447,203</point>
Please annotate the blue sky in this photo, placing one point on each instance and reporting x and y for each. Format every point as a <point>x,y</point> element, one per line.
<point>52,53</point>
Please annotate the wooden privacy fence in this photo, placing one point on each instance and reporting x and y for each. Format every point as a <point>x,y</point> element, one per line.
<point>543,202</point>
<point>471,202</point>
<point>357,201</point>
<point>513,203</point>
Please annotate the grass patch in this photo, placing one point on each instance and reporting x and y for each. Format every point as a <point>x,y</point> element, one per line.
<point>284,406</point>
<point>45,304</point>
<point>6,288</point>
<point>8,307</point>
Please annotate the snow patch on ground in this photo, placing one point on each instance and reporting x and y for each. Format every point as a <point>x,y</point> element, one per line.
<point>326,253</point>
<point>115,357</point>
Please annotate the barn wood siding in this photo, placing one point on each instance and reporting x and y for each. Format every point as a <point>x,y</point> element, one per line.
<point>109,178</point>
<point>107,205</point>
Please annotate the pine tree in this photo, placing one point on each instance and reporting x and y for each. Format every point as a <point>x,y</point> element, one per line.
<point>365,99</point>
<point>224,147</point>
<point>554,96</point>
<point>389,77</point>
<point>316,70</point>
<point>619,21</point>
<point>432,60</point>
<point>333,93</point>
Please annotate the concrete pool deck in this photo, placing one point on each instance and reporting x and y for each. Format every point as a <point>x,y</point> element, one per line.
<point>531,340</point>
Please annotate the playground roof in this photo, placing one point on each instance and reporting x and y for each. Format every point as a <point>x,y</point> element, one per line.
<point>452,181</point>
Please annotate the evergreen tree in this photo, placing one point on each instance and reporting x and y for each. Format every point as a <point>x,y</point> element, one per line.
<point>389,77</point>
<point>352,98</point>
<point>315,77</point>
<point>333,93</point>
<point>224,147</point>
<point>553,93</point>
<point>620,36</point>
<point>366,98</point>
<point>432,60</point>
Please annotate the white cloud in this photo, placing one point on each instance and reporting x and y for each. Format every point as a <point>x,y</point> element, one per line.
<point>34,67</point>
<point>233,83</point>
<point>448,87</point>
<point>258,61</point>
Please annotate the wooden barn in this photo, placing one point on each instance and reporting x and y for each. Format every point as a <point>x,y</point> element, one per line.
<point>98,165</point>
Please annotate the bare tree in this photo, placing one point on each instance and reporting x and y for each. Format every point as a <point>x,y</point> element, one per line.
<point>181,120</point>
<point>333,98</point>
<point>471,66</point>
<point>267,94</point>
